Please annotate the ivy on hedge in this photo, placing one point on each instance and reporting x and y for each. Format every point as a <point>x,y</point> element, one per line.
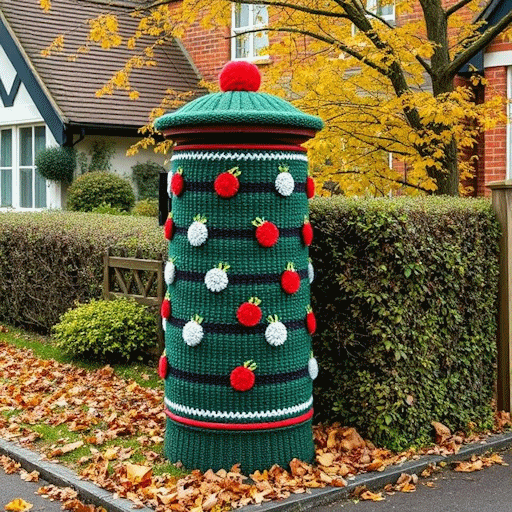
<point>405,297</point>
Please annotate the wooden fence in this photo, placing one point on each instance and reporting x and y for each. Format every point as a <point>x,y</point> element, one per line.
<point>137,278</point>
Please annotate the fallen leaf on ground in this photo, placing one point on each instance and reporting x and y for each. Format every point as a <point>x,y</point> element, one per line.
<point>371,496</point>
<point>18,505</point>
<point>65,449</point>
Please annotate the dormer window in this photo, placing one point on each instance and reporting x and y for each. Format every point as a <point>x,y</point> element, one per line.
<point>249,17</point>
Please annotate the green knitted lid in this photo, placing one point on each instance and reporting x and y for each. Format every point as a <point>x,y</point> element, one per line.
<point>240,104</point>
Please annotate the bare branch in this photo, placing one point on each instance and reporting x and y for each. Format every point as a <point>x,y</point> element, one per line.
<point>425,64</point>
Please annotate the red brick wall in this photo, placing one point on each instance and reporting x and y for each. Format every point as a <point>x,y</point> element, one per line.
<point>494,164</point>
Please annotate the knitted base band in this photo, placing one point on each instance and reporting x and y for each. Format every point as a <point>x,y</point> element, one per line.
<point>255,450</point>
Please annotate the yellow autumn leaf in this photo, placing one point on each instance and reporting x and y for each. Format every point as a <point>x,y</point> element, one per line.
<point>18,505</point>
<point>136,473</point>
<point>371,496</point>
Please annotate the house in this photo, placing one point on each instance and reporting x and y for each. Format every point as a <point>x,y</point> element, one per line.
<point>47,101</point>
<point>210,50</point>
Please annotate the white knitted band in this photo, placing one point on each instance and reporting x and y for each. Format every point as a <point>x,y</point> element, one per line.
<point>191,411</point>
<point>207,155</point>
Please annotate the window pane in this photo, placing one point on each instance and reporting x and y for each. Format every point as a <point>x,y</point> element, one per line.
<point>40,186</point>
<point>260,15</point>
<point>6,187</point>
<point>39,139</point>
<point>242,46</point>
<point>241,15</point>
<point>5,148</point>
<point>26,188</point>
<point>260,43</point>
<point>26,146</point>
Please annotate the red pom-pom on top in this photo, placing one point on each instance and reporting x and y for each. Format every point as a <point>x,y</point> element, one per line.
<point>239,75</point>
<point>226,185</point>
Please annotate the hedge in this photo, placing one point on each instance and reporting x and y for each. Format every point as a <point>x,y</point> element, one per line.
<point>49,260</point>
<point>405,298</point>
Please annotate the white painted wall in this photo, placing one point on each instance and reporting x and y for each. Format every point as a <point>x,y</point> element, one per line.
<point>24,112</point>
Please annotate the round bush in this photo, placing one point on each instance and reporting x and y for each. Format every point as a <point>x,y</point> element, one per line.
<point>146,177</point>
<point>146,208</point>
<point>57,163</point>
<point>106,330</point>
<point>94,189</point>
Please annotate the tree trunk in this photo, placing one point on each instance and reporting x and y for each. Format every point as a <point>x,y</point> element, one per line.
<point>447,179</point>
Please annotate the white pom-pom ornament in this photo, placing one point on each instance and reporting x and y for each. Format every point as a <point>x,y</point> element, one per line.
<point>313,368</point>
<point>193,332</point>
<point>276,332</point>
<point>169,272</point>
<point>197,233</point>
<point>311,272</point>
<point>284,183</point>
<point>216,279</point>
<point>164,324</point>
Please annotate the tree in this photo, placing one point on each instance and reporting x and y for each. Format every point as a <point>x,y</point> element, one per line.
<point>380,88</point>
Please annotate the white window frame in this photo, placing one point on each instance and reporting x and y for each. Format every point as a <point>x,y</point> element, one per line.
<point>373,6</point>
<point>16,171</point>
<point>251,26</point>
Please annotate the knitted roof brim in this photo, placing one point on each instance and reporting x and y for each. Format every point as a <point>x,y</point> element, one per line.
<point>238,107</point>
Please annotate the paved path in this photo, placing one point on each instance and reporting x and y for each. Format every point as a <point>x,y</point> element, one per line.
<point>12,487</point>
<point>489,490</point>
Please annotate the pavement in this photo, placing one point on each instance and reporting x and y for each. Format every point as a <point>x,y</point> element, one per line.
<point>489,490</point>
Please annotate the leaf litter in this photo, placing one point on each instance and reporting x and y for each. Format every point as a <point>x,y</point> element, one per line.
<point>100,408</point>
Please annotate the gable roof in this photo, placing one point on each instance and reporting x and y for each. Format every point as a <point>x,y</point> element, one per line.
<point>70,86</point>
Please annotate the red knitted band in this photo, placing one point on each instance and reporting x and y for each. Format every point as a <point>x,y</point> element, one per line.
<point>240,426</point>
<point>267,147</point>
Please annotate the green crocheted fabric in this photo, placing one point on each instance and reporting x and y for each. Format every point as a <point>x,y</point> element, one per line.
<point>240,369</point>
<point>239,107</point>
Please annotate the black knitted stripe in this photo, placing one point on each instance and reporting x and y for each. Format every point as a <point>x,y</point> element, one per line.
<point>236,328</point>
<point>245,188</point>
<point>223,380</point>
<point>198,277</point>
<point>240,233</point>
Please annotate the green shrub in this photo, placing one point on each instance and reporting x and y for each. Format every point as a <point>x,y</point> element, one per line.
<point>146,177</point>
<point>115,330</point>
<point>105,208</point>
<point>100,187</point>
<point>146,208</point>
<point>405,295</point>
<point>51,259</point>
<point>57,163</point>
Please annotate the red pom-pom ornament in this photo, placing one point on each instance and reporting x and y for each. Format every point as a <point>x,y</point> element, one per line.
<point>242,377</point>
<point>162,366</point>
<point>169,228</point>
<point>310,321</point>
<point>307,233</point>
<point>290,280</point>
<point>267,233</point>
<point>165,309</point>
<point>226,185</point>
<point>310,187</point>
<point>177,183</point>
<point>249,313</point>
<point>239,75</point>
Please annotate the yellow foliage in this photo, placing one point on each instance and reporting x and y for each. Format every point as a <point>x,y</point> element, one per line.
<point>342,74</point>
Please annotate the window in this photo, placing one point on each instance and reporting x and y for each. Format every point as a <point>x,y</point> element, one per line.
<point>248,17</point>
<point>386,12</point>
<point>21,185</point>
<point>6,168</point>
<point>32,140</point>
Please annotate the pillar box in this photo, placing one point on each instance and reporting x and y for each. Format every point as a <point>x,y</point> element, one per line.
<point>238,365</point>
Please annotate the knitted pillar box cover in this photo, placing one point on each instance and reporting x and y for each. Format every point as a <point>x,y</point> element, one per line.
<point>238,365</point>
